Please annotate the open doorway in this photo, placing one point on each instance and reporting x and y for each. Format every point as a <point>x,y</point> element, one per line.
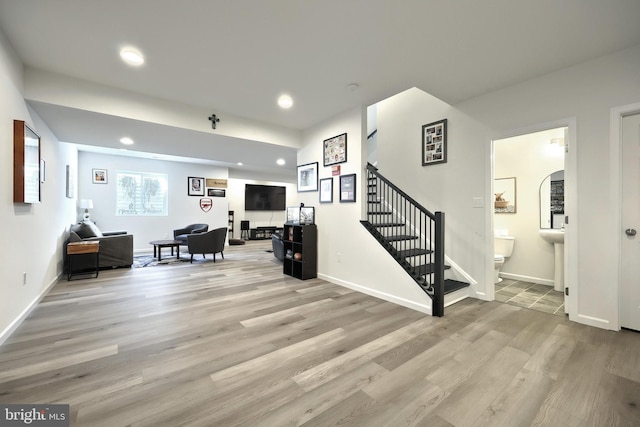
<point>528,220</point>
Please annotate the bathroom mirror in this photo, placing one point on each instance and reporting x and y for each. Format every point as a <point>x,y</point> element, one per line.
<point>26,164</point>
<point>552,201</point>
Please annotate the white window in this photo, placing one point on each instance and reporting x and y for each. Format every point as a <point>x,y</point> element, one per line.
<point>141,194</point>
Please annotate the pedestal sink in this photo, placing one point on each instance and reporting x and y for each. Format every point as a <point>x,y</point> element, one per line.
<point>556,237</point>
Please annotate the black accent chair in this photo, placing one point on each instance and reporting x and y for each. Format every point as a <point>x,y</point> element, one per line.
<point>210,242</point>
<point>181,233</point>
<point>278,246</point>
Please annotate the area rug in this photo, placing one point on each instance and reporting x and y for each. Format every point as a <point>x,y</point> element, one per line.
<point>149,261</point>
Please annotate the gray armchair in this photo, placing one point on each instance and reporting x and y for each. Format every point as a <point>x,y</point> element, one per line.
<point>181,233</point>
<point>210,242</point>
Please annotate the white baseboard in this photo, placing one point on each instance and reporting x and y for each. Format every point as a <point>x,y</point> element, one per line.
<point>423,308</point>
<point>593,321</point>
<point>10,329</point>
<point>537,280</point>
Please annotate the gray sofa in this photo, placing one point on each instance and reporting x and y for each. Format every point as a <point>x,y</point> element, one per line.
<point>116,247</point>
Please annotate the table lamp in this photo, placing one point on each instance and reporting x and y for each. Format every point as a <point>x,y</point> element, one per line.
<point>86,204</point>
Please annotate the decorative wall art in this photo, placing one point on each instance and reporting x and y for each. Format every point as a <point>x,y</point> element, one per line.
<point>71,182</point>
<point>216,192</point>
<point>206,204</point>
<point>335,150</point>
<point>99,176</point>
<point>308,177</point>
<point>434,143</point>
<point>348,188</point>
<point>195,186</point>
<point>326,190</point>
<point>504,190</point>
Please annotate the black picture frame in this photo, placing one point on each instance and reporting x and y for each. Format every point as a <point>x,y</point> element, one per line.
<point>433,144</point>
<point>308,177</point>
<point>326,190</point>
<point>335,150</point>
<point>348,188</point>
<point>195,186</point>
<point>216,192</point>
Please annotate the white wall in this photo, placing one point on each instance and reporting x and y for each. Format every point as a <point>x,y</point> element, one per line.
<point>448,187</point>
<point>586,93</point>
<point>527,158</point>
<point>257,218</point>
<point>183,209</point>
<point>34,233</point>
<point>347,254</point>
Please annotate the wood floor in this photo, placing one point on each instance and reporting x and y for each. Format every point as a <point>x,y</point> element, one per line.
<point>236,343</point>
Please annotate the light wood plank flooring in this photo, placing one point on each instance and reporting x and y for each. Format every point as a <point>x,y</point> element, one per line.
<point>236,343</point>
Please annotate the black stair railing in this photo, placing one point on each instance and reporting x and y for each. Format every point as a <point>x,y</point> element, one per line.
<point>412,234</point>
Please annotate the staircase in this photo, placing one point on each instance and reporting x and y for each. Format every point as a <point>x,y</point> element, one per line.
<point>412,235</point>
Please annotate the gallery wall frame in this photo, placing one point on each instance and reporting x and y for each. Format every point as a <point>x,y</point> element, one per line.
<point>326,190</point>
<point>99,176</point>
<point>308,177</point>
<point>348,188</point>
<point>335,150</point>
<point>434,143</point>
<point>195,186</point>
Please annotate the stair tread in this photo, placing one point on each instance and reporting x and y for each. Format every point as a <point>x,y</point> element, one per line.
<point>400,237</point>
<point>451,285</point>
<point>379,213</point>
<point>389,224</point>
<point>423,269</point>
<point>406,253</point>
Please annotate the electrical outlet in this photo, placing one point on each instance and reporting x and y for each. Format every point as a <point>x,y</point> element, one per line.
<point>24,278</point>
<point>478,202</point>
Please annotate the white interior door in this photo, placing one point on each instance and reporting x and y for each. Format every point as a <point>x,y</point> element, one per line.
<point>630,256</point>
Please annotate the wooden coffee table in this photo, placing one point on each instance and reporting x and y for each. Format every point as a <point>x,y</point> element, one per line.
<point>159,244</point>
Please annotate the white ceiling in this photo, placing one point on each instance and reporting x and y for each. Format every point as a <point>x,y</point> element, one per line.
<point>236,57</point>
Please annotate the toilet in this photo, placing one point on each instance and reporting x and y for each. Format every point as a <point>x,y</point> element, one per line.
<point>503,248</point>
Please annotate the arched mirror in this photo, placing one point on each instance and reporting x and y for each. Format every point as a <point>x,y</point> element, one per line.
<point>552,201</point>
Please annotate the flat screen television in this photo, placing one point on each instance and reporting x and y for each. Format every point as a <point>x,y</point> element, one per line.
<point>264,197</point>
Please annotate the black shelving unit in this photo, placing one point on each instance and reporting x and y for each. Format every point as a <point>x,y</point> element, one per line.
<point>230,223</point>
<point>303,240</point>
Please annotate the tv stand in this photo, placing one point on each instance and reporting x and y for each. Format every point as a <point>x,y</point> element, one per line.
<point>263,233</point>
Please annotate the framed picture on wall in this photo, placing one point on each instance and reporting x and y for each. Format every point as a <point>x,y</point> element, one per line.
<point>504,190</point>
<point>195,186</point>
<point>326,190</point>
<point>335,150</point>
<point>308,177</point>
<point>348,188</point>
<point>434,143</point>
<point>99,176</point>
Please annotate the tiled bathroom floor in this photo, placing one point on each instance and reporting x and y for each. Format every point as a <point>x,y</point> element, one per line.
<point>530,295</point>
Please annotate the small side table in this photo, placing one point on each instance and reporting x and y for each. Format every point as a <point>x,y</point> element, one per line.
<point>159,244</point>
<point>81,248</point>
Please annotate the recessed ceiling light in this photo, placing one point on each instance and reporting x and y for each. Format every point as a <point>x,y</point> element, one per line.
<point>352,87</point>
<point>280,162</point>
<point>285,101</point>
<point>240,163</point>
<point>131,56</point>
<point>126,140</point>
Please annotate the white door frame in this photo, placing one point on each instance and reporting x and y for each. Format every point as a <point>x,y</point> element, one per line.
<point>615,164</point>
<point>571,190</point>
